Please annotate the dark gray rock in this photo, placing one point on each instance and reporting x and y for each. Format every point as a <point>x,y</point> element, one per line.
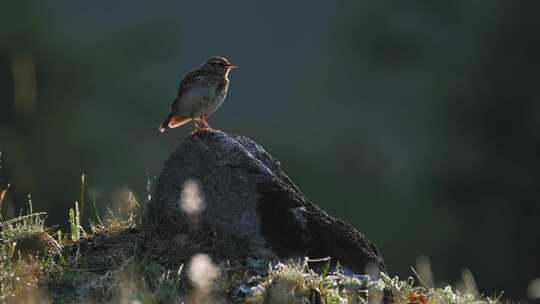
<point>227,192</point>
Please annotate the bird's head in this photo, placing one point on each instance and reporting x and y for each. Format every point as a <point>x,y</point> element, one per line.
<point>219,65</point>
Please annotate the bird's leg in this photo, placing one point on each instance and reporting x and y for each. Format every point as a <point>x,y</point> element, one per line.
<point>197,128</point>
<point>206,125</point>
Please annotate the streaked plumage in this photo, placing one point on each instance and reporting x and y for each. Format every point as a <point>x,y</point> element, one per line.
<point>201,93</point>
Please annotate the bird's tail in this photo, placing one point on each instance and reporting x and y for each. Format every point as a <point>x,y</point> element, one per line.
<point>173,121</point>
<point>165,124</point>
<point>163,127</point>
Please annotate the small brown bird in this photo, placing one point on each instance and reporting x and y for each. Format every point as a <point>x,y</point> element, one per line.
<point>201,93</point>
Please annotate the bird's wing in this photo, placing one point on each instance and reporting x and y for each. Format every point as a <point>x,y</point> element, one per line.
<point>190,100</point>
<point>191,79</point>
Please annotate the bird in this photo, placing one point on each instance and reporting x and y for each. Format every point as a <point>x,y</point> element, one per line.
<point>201,93</point>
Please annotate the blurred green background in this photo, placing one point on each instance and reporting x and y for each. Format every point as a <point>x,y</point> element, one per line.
<point>418,122</point>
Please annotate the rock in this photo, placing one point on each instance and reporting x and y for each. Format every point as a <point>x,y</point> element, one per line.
<point>228,195</point>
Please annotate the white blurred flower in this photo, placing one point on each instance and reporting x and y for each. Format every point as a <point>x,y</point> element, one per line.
<point>533,290</point>
<point>191,198</point>
<point>202,272</point>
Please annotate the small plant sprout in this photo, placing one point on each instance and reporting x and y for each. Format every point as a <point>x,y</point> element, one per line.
<point>75,223</point>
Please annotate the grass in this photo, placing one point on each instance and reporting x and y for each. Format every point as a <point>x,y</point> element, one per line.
<point>106,265</point>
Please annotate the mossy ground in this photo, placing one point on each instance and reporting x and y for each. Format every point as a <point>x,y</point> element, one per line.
<point>117,261</point>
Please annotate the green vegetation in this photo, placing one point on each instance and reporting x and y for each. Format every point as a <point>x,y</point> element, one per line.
<point>105,265</point>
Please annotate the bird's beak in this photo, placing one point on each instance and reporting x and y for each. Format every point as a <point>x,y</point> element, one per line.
<point>232,66</point>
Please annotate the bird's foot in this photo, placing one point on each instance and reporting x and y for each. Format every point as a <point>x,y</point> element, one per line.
<point>205,123</point>
<point>206,129</point>
<point>201,130</point>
